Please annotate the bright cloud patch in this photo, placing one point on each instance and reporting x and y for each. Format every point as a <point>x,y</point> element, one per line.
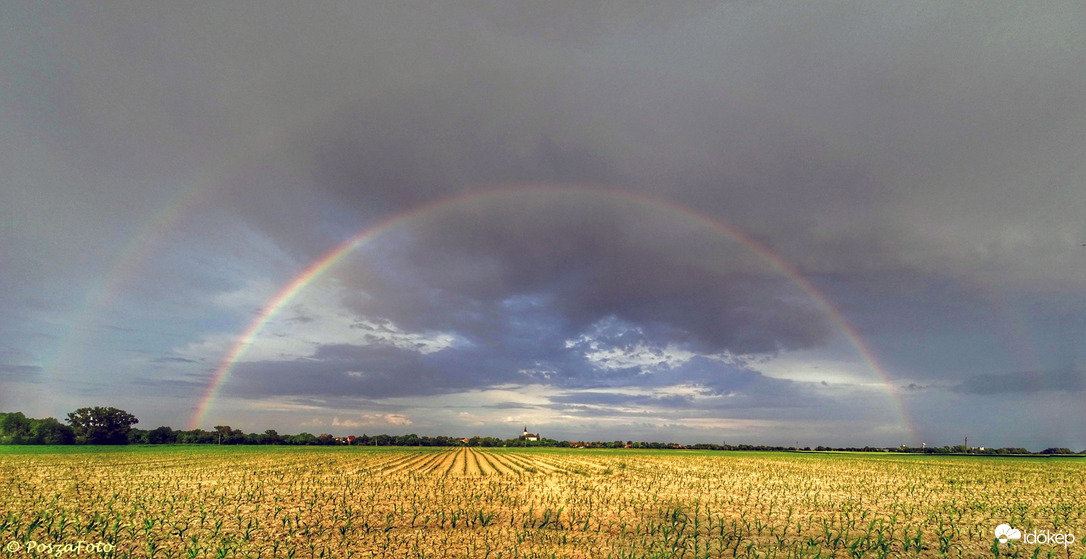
<point>372,420</point>
<point>314,319</point>
<point>386,333</point>
<point>807,366</point>
<point>615,344</point>
<point>639,356</point>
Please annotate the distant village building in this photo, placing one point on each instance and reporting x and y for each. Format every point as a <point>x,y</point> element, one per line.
<point>529,436</point>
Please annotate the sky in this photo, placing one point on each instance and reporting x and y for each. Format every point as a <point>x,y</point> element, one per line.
<point>814,223</point>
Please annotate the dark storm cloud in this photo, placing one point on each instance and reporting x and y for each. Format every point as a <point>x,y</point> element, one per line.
<point>921,163</point>
<point>758,161</point>
<point>422,144</point>
<point>583,259</point>
<point>772,161</point>
<point>830,129</point>
<point>1024,382</point>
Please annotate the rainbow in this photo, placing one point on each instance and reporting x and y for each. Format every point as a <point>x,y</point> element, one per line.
<point>331,257</point>
<point>134,252</point>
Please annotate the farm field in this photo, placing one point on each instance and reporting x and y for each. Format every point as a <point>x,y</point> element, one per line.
<point>206,501</point>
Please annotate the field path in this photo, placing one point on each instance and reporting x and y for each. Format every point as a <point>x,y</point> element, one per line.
<point>411,462</point>
<point>483,463</point>
<point>391,463</point>
<point>489,464</point>
<point>460,464</point>
<point>529,464</point>
<point>503,462</point>
<point>575,463</point>
<point>471,463</point>
<point>429,465</point>
<point>446,463</point>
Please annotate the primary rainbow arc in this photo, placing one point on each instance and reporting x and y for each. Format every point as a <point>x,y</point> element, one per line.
<point>331,257</point>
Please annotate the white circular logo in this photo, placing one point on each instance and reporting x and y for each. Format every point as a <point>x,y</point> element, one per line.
<point>1004,532</point>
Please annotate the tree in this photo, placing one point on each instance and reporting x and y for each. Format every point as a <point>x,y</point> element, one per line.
<point>407,440</point>
<point>51,431</point>
<point>14,428</point>
<point>100,425</point>
<point>224,434</point>
<point>162,435</point>
<point>303,439</point>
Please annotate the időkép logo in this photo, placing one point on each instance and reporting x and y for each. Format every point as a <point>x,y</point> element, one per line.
<point>1005,534</point>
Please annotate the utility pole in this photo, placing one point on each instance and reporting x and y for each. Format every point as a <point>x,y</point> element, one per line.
<point>967,445</point>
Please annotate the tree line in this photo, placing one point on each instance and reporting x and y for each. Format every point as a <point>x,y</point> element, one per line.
<point>112,426</point>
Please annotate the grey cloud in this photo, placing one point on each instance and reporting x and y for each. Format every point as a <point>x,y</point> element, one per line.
<point>1024,383</point>
<point>509,406</point>
<point>21,372</point>
<point>614,400</point>
<point>564,22</point>
<point>372,372</point>
<point>171,387</point>
<point>174,360</point>
<point>424,143</point>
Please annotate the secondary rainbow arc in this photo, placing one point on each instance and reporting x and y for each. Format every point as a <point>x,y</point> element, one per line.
<point>332,256</point>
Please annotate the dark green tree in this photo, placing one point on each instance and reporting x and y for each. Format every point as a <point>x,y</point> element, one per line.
<point>224,434</point>
<point>303,439</point>
<point>14,428</point>
<point>197,436</point>
<point>100,425</point>
<point>161,435</point>
<point>51,431</point>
